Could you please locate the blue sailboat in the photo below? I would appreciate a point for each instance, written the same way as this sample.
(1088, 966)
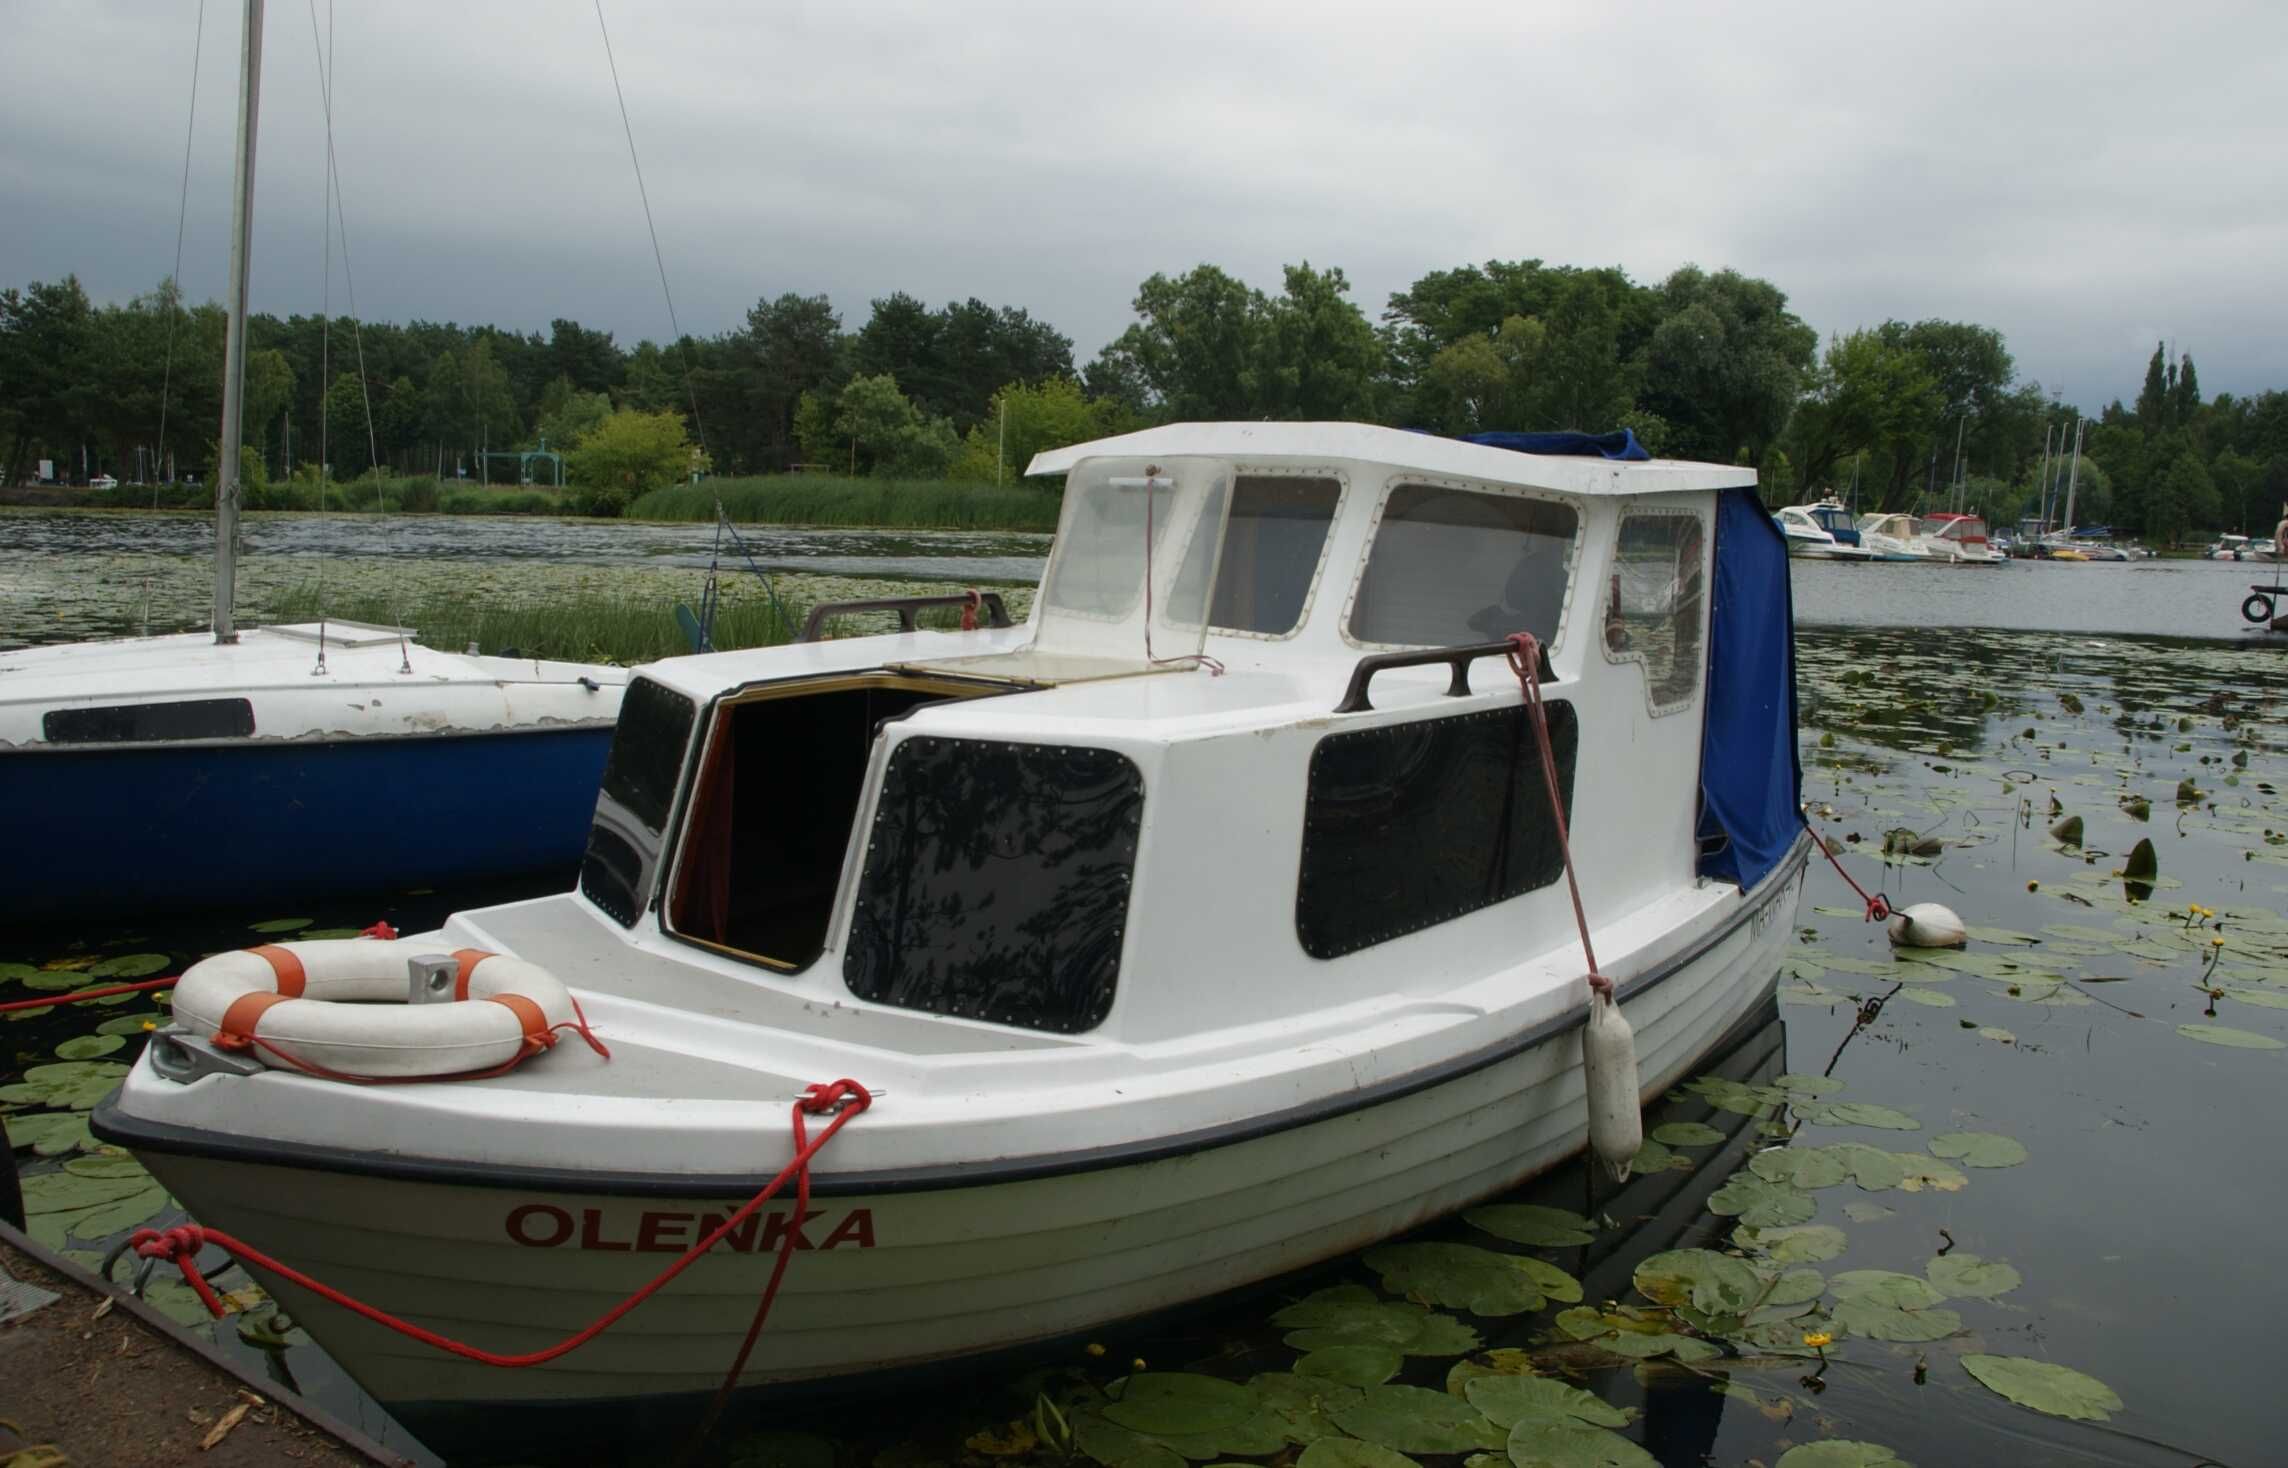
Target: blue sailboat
(265, 764)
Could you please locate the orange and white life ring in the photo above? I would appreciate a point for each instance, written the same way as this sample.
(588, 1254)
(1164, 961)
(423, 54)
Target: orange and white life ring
(322, 1007)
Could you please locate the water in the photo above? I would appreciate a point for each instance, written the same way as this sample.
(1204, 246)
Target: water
(2142, 1222)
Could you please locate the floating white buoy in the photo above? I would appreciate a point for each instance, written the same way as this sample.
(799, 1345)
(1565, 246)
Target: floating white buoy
(1926, 925)
(1609, 1067)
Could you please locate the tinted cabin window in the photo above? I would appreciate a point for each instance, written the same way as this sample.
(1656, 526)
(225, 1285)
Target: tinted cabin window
(639, 789)
(137, 723)
(996, 882)
(1271, 549)
(1410, 825)
(1653, 607)
(1452, 566)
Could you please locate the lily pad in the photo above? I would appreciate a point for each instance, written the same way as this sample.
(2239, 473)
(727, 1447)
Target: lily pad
(1867, 1212)
(1655, 1157)
(1161, 1402)
(1751, 1199)
(1531, 1224)
(1343, 1452)
(2045, 1386)
(1360, 1366)
(279, 925)
(2265, 998)
(1302, 1404)
(1701, 1278)
(1931, 997)
(1462, 1277)
(1352, 1315)
(1885, 1287)
(1506, 1401)
(1970, 1277)
(51, 1133)
(1803, 1243)
(1882, 1322)
(88, 1047)
(1794, 1287)
(1415, 1419)
(130, 1024)
(1841, 1453)
(1979, 1149)
(129, 966)
(1858, 1113)
(1872, 1168)
(2000, 935)
(1809, 1085)
(1573, 1445)
(1687, 1134)
(64, 1192)
(1804, 1167)
(2227, 1035)
(1919, 1173)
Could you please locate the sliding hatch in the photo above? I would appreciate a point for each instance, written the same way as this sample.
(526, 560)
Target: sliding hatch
(780, 777)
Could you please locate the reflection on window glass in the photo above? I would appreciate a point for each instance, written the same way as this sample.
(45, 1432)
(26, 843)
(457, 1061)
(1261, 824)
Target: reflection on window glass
(1652, 608)
(1099, 569)
(1409, 825)
(1452, 566)
(1271, 552)
(996, 882)
(631, 810)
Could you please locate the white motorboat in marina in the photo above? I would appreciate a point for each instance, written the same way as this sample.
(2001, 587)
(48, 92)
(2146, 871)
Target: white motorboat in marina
(1895, 537)
(1822, 532)
(1209, 924)
(1960, 539)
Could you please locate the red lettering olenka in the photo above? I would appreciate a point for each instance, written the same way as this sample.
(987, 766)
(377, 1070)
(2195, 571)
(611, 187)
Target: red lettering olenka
(545, 1226)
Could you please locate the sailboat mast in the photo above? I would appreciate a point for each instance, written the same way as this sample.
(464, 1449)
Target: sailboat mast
(2048, 431)
(2073, 478)
(234, 337)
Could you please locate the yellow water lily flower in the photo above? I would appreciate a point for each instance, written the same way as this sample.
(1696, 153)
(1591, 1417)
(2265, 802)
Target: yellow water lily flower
(1818, 1338)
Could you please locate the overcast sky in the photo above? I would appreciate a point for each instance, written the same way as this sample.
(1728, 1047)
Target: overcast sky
(2086, 177)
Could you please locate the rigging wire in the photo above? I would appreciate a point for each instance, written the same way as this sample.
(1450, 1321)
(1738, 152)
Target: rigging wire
(175, 281)
(340, 221)
(708, 598)
(325, 316)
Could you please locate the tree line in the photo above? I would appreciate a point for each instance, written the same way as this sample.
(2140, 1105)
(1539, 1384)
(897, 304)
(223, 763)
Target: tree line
(1702, 364)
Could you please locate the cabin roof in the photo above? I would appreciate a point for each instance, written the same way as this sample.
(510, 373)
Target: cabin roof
(1403, 449)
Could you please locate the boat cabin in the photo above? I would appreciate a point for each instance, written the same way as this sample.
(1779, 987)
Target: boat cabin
(1262, 699)
(1968, 530)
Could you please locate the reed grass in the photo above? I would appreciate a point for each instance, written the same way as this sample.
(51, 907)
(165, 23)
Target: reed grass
(594, 628)
(826, 499)
(411, 495)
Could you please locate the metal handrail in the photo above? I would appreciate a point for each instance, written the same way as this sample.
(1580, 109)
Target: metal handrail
(1456, 658)
(996, 611)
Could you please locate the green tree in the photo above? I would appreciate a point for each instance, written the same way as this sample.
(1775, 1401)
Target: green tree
(345, 437)
(630, 454)
(1869, 395)
(1317, 357)
(888, 435)
(1193, 346)
(1048, 415)
(1726, 363)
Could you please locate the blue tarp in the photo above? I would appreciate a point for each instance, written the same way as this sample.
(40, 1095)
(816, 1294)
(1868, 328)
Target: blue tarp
(1751, 788)
(1619, 444)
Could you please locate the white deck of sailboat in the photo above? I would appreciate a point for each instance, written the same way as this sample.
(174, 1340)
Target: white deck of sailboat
(372, 682)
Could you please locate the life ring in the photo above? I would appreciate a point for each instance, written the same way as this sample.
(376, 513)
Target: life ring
(322, 1007)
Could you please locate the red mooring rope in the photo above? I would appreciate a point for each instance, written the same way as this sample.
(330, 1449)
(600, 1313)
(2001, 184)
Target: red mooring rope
(844, 1098)
(1878, 906)
(73, 998)
(1525, 661)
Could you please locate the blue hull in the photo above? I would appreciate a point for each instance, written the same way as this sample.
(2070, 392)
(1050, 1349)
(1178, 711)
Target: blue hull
(121, 832)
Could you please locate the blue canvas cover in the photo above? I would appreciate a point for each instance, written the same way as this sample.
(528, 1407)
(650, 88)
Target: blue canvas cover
(1619, 444)
(1751, 788)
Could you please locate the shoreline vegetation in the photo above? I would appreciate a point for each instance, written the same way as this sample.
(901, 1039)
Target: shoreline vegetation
(829, 500)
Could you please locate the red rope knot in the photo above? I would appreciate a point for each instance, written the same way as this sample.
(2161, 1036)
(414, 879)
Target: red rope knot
(1877, 909)
(174, 1244)
(381, 930)
(969, 609)
(822, 1097)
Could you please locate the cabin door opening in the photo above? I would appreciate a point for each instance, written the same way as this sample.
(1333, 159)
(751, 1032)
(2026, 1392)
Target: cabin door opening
(771, 812)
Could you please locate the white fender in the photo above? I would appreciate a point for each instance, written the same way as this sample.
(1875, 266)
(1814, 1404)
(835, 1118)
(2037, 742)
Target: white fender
(1609, 1068)
(1926, 925)
(326, 1004)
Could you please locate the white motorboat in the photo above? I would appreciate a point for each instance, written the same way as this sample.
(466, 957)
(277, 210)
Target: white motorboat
(1896, 537)
(1823, 532)
(2228, 548)
(1210, 924)
(1959, 539)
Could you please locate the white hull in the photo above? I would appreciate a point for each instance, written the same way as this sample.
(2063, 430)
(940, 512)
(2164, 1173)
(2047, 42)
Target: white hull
(900, 1278)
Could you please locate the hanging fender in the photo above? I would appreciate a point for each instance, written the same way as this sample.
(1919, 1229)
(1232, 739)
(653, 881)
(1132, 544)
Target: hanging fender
(325, 1007)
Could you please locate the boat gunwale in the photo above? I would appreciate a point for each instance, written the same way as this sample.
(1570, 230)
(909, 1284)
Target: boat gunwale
(111, 1125)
